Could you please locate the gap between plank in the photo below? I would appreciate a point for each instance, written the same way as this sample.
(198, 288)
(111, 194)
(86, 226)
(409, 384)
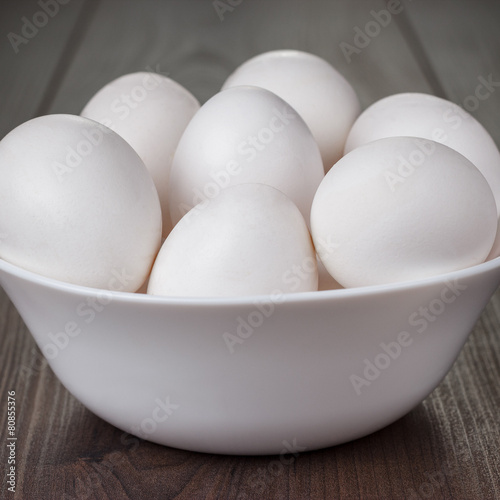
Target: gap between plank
(418, 50)
(88, 10)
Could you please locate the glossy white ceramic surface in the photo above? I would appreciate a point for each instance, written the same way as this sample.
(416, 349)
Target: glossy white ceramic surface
(300, 371)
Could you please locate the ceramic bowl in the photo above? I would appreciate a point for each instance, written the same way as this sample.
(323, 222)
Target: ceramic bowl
(256, 375)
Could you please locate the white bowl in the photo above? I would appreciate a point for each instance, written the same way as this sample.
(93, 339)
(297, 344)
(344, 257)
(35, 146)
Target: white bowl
(316, 369)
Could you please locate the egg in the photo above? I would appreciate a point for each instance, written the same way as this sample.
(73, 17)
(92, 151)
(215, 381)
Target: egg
(244, 135)
(430, 117)
(313, 87)
(249, 240)
(150, 111)
(399, 209)
(77, 204)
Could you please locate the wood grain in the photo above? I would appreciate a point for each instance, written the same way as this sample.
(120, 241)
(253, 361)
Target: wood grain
(462, 53)
(447, 447)
(188, 42)
(28, 65)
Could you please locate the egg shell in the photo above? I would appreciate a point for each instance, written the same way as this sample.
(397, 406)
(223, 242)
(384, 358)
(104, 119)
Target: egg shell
(430, 117)
(313, 87)
(77, 204)
(150, 111)
(249, 240)
(244, 135)
(377, 219)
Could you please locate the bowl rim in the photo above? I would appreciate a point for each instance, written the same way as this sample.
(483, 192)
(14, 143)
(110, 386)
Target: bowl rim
(248, 300)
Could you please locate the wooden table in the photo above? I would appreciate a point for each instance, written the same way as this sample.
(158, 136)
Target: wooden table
(449, 445)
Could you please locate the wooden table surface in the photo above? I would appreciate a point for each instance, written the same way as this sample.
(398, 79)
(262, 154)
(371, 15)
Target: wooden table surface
(449, 445)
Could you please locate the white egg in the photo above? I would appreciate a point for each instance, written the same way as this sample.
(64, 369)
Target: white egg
(77, 204)
(430, 117)
(249, 240)
(150, 112)
(399, 209)
(242, 135)
(317, 91)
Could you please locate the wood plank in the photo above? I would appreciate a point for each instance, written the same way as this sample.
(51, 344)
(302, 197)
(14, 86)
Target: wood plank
(29, 64)
(188, 42)
(461, 42)
(29, 67)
